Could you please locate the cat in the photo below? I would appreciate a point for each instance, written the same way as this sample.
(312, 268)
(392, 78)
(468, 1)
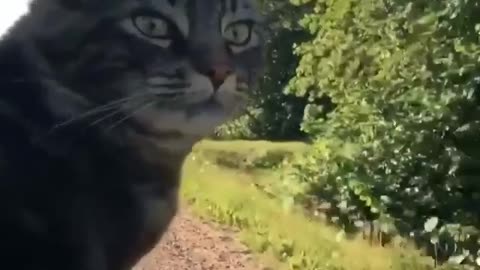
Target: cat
(100, 103)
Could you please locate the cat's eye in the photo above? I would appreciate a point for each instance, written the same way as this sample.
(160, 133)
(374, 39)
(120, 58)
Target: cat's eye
(152, 27)
(238, 33)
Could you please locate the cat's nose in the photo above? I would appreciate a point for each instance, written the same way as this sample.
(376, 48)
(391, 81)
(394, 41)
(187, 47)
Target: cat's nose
(218, 73)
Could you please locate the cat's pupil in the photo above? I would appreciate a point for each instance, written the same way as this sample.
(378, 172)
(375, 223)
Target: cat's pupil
(151, 26)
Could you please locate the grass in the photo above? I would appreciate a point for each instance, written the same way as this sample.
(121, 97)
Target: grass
(227, 195)
(242, 146)
(247, 155)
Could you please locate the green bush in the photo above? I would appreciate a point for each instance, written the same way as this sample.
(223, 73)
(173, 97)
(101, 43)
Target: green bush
(400, 147)
(239, 128)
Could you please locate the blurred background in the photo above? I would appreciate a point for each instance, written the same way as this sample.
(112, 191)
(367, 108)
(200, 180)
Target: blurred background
(10, 12)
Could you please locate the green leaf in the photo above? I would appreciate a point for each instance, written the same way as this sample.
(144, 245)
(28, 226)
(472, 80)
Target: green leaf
(430, 224)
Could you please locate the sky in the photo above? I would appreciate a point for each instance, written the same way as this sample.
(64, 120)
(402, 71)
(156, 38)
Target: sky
(10, 11)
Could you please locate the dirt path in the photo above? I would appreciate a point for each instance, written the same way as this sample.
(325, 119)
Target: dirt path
(193, 244)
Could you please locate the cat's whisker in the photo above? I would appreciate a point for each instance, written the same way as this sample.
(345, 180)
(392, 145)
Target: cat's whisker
(114, 105)
(168, 93)
(102, 108)
(106, 117)
(137, 110)
(109, 115)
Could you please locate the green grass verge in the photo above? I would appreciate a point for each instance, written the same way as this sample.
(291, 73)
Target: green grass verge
(247, 155)
(243, 146)
(296, 242)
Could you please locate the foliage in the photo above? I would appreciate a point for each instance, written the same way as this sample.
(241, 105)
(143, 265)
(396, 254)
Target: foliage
(239, 128)
(400, 149)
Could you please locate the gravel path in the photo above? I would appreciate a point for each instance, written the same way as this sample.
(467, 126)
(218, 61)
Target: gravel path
(194, 244)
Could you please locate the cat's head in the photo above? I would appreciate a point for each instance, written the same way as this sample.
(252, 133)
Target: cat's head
(174, 66)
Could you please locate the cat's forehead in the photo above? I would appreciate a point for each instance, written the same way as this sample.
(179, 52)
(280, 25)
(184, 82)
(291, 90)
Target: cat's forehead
(187, 7)
(201, 7)
(224, 5)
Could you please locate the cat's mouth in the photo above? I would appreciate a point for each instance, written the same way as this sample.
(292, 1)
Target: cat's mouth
(210, 104)
(194, 120)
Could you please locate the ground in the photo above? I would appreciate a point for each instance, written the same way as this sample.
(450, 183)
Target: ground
(195, 244)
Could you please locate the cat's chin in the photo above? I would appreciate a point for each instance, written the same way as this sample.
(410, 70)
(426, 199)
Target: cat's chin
(192, 123)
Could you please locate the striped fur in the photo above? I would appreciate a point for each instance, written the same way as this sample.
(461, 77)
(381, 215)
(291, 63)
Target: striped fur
(100, 102)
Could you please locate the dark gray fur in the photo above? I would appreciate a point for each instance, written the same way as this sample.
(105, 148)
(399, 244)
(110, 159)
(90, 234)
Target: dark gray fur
(83, 188)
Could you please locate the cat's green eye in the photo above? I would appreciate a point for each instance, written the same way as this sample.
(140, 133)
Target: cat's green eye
(152, 27)
(238, 33)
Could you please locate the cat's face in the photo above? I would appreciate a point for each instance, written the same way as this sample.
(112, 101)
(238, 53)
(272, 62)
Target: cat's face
(179, 66)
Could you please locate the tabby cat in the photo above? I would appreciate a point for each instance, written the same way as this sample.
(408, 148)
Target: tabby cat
(100, 102)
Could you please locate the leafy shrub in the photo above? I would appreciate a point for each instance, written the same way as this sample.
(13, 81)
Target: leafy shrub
(239, 128)
(401, 146)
